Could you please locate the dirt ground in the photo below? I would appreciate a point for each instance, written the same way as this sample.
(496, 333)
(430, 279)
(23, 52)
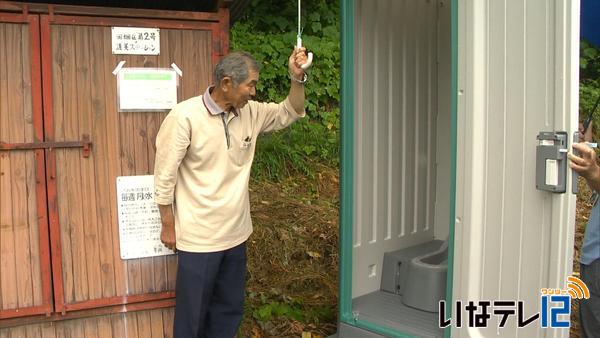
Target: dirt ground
(583, 211)
(293, 257)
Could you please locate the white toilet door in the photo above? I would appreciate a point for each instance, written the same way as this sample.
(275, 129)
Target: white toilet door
(517, 76)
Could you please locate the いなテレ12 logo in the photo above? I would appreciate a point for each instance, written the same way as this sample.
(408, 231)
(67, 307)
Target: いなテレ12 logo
(557, 302)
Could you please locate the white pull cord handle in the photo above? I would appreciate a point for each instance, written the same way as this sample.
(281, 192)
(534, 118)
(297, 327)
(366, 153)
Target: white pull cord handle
(309, 56)
(299, 41)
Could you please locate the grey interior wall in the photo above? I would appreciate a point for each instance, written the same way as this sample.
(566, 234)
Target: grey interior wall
(396, 88)
(443, 128)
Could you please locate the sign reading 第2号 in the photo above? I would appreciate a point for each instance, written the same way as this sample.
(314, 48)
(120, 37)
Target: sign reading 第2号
(139, 218)
(135, 40)
(147, 89)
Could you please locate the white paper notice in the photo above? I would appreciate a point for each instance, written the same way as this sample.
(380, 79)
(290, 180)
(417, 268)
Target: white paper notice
(139, 218)
(135, 41)
(147, 89)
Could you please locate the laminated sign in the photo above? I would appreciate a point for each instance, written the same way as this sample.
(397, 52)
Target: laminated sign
(147, 89)
(139, 218)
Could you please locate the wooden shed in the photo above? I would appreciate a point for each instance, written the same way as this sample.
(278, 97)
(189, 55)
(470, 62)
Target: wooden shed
(63, 143)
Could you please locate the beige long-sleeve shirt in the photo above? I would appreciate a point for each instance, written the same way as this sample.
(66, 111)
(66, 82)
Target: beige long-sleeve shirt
(202, 167)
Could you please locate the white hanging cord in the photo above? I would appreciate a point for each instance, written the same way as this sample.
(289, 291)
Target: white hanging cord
(299, 23)
(299, 39)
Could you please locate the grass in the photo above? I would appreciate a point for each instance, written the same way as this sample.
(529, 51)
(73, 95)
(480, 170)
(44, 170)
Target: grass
(293, 257)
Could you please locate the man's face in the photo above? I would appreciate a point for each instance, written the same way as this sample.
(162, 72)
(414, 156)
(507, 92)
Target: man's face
(239, 96)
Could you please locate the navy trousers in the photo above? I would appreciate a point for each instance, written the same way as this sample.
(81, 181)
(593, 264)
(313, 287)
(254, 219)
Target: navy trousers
(589, 309)
(210, 293)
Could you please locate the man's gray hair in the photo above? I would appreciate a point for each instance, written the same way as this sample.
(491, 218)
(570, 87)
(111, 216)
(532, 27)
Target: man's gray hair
(235, 65)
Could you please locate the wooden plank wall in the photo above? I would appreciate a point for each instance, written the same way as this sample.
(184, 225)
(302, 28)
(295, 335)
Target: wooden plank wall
(20, 279)
(84, 102)
(142, 324)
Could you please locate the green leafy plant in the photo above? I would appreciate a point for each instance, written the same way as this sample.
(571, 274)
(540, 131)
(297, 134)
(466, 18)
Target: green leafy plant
(269, 33)
(272, 310)
(589, 61)
(274, 306)
(589, 84)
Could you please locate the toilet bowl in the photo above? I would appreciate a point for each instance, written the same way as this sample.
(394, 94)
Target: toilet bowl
(425, 282)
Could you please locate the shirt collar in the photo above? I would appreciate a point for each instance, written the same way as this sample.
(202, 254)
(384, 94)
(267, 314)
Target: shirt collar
(210, 104)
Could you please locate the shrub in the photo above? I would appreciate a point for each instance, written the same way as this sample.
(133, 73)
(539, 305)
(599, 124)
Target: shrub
(589, 84)
(268, 31)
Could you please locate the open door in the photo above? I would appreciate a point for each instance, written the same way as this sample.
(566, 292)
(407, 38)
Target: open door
(517, 76)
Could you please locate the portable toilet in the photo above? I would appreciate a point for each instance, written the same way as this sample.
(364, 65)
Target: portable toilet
(456, 119)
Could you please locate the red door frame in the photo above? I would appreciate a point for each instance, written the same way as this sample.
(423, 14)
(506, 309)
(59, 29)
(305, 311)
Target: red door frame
(220, 36)
(40, 171)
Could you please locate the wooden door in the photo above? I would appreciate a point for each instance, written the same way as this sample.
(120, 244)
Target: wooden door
(25, 285)
(80, 99)
(59, 236)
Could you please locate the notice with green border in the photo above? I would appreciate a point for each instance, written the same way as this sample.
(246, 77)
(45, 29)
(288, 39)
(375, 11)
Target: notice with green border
(147, 89)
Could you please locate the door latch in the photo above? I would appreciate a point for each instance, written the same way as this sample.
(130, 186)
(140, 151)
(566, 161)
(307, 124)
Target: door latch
(551, 161)
(85, 144)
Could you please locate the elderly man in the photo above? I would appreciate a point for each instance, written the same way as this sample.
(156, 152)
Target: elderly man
(204, 151)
